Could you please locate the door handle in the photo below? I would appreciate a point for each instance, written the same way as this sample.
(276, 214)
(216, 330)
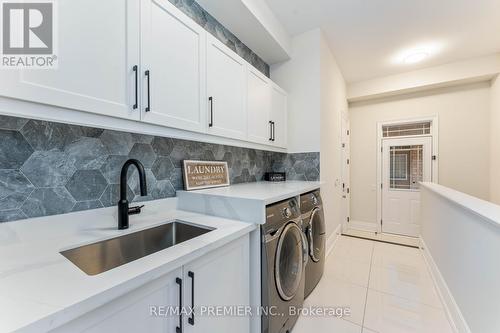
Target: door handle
(148, 75)
(178, 329)
(211, 100)
(191, 319)
(270, 130)
(136, 70)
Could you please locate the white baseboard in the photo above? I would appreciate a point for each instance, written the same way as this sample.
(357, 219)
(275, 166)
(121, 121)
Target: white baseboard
(332, 239)
(362, 225)
(451, 308)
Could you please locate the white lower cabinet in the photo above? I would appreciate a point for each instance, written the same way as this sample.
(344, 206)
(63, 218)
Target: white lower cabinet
(135, 311)
(216, 281)
(221, 282)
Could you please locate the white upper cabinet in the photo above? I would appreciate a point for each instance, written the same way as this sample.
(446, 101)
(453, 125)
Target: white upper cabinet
(279, 116)
(258, 107)
(226, 90)
(173, 67)
(97, 49)
(148, 61)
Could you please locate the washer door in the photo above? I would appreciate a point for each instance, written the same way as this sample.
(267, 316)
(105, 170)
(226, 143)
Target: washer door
(289, 261)
(316, 235)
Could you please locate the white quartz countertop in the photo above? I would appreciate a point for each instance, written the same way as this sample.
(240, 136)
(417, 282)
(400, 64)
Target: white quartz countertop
(40, 289)
(267, 192)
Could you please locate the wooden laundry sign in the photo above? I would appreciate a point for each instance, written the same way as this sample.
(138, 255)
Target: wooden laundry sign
(205, 174)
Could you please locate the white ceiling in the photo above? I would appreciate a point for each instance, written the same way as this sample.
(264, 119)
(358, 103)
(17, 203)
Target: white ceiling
(366, 35)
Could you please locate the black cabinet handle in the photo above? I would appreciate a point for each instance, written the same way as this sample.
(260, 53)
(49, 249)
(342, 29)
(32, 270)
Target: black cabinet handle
(274, 131)
(178, 329)
(148, 75)
(211, 100)
(270, 130)
(136, 70)
(191, 319)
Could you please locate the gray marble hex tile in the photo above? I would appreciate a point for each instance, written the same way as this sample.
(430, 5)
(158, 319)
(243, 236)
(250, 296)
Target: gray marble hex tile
(89, 132)
(117, 143)
(51, 168)
(177, 179)
(162, 146)
(157, 189)
(142, 138)
(48, 201)
(14, 189)
(180, 153)
(111, 195)
(86, 185)
(208, 22)
(144, 153)
(112, 167)
(14, 150)
(312, 174)
(86, 205)
(163, 168)
(12, 123)
(12, 215)
(87, 153)
(134, 183)
(44, 135)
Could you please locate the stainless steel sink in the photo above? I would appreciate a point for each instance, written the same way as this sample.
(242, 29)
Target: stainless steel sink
(105, 255)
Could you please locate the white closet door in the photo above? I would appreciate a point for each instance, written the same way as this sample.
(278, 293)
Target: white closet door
(98, 47)
(174, 56)
(226, 87)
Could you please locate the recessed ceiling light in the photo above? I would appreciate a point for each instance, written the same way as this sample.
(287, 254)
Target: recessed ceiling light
(417, 53)
(416, 57)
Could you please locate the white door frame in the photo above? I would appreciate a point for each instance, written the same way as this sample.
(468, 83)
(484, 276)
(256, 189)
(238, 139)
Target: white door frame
(435, 155)
(345, 170)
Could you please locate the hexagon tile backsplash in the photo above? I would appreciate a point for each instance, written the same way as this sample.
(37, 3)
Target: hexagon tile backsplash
(49, 168)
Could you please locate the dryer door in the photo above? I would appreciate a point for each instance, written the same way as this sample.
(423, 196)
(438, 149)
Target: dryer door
(289, 261)
(316, 234)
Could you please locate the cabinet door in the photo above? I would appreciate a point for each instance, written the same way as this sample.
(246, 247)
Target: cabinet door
(219, 279)
(142, 310)
(226, 86)
(279, 116)
(98, 47)
(258, 106)
(173, 49)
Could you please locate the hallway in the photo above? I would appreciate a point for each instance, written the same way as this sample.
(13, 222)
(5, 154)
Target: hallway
(388, 289)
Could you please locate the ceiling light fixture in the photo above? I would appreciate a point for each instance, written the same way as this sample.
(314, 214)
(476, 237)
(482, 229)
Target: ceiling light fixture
(415, 57)
(417, 53)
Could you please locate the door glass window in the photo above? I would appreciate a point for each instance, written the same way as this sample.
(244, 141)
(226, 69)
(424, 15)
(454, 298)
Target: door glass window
(406, 167)
(407, 129)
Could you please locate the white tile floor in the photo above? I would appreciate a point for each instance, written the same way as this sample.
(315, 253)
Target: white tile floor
(387, 288)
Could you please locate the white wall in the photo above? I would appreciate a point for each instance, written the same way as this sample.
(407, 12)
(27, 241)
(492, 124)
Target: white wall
(462, 235)
(300, 77)
(464, 151)
(333, 103)
(316, 98)
(495, 142)
(457, 73)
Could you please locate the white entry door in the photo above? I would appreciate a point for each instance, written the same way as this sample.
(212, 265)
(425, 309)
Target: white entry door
(406, 163)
